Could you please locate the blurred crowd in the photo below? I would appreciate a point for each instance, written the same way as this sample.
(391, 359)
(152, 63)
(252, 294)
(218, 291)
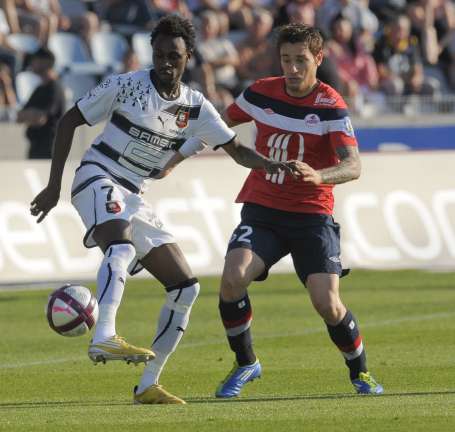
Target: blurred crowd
(375, 49)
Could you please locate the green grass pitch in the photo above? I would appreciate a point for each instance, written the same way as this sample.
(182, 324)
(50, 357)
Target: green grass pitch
(407, 319)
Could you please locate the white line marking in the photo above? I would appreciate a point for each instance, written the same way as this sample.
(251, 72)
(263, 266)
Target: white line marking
(305, 332)
(42, 362)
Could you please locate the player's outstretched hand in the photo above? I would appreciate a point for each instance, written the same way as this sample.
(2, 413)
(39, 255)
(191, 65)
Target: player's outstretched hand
(275, 167)
(305, 172)
(44, 202)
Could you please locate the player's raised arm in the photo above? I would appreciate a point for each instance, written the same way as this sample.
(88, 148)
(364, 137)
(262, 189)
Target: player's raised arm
(47, 199)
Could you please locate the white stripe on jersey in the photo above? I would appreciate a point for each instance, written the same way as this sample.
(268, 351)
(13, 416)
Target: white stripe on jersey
(292, 124)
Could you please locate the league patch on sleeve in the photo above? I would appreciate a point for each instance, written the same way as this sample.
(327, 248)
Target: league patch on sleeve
(347, 127)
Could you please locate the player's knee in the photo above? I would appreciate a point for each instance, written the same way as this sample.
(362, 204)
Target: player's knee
(331, 312)
(181, 297)
(119, 255)
(234, 280)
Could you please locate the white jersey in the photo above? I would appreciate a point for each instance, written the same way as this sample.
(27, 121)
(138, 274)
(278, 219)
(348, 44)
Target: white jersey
(144, 130)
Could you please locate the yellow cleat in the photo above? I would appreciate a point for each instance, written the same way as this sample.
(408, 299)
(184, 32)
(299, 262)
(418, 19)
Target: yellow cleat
(116, 348)
(155, 394)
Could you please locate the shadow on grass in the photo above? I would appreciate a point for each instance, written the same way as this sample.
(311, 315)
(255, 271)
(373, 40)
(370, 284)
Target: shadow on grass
(211, 400)
(314, 397)
(4, 299)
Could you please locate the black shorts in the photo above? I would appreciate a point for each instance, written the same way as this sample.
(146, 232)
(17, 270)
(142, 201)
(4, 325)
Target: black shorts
(313, 240)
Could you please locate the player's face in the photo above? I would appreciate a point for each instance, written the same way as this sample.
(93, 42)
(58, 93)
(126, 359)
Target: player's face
(170, 57)
(299, 67)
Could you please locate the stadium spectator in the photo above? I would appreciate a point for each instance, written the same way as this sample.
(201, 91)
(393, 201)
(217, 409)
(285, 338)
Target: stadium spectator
(254, 50)
(77, 18)
(386, 10)
(295, 12)
(143, 108)
(357, 69)
(356, 11)
(444, 22)
(421, 14)
(131, 61)
(218, 51)
(164, 7)
(127, 16)
(304, 121)
(40, 17)
(10, 11)
(7, 94)
(8, 55)
(44, 108)
(240, 13)
(399, 61)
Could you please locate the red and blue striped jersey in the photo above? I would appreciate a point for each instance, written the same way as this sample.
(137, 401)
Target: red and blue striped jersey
(308, 129)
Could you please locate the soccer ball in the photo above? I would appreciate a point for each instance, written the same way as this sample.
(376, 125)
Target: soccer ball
(72, 310)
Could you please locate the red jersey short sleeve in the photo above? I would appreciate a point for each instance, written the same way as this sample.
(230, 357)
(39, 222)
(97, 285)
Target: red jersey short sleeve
(307, 129)
(237, 114)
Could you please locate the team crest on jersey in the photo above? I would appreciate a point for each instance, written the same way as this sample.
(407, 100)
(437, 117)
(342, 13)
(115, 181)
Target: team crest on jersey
(113, 207)
(312, 119)
(183, 116)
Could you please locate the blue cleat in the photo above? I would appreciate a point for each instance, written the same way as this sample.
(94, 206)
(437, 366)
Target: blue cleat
(366, 384)
(237, 378)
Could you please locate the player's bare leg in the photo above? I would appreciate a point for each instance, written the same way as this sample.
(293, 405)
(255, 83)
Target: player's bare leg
(169, 266)
(113, 237)
(241, 267)
(343, 329)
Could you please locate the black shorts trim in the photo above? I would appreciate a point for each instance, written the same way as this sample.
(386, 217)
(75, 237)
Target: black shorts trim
(85, 184)
(181, 285)
(90, 230)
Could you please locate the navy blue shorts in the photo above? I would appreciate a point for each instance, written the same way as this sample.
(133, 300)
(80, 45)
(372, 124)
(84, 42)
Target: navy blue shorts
(313, 240)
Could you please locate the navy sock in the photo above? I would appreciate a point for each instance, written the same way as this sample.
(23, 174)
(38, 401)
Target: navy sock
(346, 336)
(237, 317)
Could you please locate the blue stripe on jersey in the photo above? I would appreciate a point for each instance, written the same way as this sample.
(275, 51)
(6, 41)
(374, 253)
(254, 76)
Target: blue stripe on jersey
(291, 110)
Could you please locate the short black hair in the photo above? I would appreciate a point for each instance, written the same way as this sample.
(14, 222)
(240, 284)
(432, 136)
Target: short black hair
(294, 33)
(176, 26)
(44, 53)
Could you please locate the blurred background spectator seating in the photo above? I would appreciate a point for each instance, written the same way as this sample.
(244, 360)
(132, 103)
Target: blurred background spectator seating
(383, 55)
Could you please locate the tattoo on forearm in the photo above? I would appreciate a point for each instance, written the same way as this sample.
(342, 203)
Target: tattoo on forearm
(249, 158)
(348, 168)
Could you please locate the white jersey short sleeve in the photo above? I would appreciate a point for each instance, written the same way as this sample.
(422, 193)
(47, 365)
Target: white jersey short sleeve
(212, 129)
(99, 103)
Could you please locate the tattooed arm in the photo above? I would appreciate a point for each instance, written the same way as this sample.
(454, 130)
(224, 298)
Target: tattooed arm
(346, 170)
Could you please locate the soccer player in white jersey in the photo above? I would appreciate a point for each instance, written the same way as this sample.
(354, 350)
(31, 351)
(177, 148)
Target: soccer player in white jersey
(151, 120)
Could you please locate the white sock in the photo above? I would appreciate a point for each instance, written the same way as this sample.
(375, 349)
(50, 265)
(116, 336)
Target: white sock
(152, 371)
(110, 285)
(172, 324)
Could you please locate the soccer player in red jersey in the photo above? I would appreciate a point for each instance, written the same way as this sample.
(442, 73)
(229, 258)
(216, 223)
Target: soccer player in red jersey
(305, 122)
